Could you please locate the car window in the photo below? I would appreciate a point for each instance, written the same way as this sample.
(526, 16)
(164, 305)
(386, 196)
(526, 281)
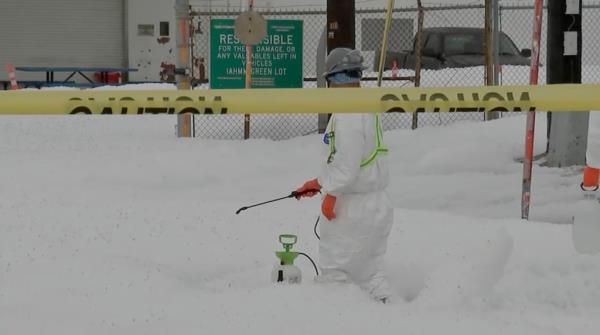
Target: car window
(434, 43)
(463, 44)
(507, 47)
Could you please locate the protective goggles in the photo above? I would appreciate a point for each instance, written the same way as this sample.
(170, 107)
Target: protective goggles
(345, 77)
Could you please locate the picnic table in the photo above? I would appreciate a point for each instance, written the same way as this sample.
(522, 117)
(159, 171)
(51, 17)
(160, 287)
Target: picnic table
(73, 70)
(34, 83)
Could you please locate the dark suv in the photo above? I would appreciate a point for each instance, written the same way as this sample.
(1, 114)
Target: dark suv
(456, 47)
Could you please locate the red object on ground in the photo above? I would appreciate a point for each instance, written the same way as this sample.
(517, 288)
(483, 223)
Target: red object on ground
(395, 69)
(108, 77)
(590, 177)
(12, 76)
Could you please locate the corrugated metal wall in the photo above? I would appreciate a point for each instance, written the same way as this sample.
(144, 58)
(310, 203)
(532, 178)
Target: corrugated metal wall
(61, 33)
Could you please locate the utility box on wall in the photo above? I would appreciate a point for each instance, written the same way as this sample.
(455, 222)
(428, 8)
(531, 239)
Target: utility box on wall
(151, 39)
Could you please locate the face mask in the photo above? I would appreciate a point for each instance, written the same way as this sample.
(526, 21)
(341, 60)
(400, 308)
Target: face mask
(346, 77)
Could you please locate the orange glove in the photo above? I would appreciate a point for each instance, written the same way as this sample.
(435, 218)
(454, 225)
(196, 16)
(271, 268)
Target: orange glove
(327, 206)
(309, 189)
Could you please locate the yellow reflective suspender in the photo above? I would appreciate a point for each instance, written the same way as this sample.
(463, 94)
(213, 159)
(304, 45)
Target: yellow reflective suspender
(380, 148)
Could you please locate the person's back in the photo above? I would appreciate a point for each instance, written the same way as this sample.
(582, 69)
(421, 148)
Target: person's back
(373, 175)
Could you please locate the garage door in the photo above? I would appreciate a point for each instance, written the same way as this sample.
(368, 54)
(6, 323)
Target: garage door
(61, 33)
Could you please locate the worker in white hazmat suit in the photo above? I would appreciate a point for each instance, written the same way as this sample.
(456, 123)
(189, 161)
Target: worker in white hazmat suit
(592, 170)
(352, 181)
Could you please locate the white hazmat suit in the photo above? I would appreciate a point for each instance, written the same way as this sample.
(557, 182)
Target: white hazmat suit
(355, 171)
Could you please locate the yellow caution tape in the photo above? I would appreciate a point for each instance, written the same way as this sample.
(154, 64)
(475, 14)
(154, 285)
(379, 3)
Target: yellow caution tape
(556, 98)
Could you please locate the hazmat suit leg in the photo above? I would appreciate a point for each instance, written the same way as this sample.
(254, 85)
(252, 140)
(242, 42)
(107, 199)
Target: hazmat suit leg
(355, 242)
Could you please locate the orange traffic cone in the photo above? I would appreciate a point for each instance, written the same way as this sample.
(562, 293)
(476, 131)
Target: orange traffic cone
(590, 178)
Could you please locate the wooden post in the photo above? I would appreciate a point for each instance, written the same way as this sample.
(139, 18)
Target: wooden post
(185, 125)
(418, 51)
(182, 39)
(341, 26)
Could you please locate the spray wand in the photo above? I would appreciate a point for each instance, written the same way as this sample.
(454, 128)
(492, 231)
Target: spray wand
(292, 195)
(286, 270)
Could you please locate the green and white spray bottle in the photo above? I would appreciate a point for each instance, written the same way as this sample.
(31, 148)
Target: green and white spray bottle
(285, 271)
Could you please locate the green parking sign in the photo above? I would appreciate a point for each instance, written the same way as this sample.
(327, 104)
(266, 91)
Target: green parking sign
(276, 60)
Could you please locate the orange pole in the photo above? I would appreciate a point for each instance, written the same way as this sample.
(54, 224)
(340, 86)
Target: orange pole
(530, 125)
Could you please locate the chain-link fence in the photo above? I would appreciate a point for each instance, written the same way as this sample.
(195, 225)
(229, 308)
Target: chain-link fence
(515, 20)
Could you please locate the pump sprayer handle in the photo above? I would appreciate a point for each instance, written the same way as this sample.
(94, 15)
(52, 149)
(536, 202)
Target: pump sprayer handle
(297, 194)
(294, 194)
(293, 239)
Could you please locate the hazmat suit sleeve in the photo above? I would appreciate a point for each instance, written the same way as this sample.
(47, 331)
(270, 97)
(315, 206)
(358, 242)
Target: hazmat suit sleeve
(341, 167)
